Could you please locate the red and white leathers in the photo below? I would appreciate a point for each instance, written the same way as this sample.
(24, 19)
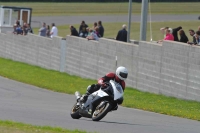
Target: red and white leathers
(106, 78)
(111, 76)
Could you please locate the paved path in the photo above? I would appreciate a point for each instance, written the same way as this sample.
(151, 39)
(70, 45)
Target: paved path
(62, 20)
(29, 104)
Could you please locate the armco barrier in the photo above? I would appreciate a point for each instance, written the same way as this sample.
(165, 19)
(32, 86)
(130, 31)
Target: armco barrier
(172, 69)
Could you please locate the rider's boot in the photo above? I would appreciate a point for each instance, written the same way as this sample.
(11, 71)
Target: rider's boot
(90, 90)
(84, 97)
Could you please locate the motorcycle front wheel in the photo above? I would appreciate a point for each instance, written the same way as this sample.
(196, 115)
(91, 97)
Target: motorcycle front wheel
(75, 112)
(101, 111)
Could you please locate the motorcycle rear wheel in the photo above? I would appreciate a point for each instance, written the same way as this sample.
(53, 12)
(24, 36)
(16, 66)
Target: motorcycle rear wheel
(75, 112)
(101, 112)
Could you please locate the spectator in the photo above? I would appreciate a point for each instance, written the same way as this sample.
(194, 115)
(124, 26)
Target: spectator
(88, 31)
(183, 37)
(29, 29)
(168, 36)
(174, 33)
(14, 28)
(122, 34)
(73, 30)
(18, 28)
(96, 30)
(95, 25)
(48, 31)
(163, 30)
(17, 23)
(42, 30)
(101, 29)
(192, 33)
(54, 30)
(198, 38)
(25, 30)
(93, 36)
(82, 30)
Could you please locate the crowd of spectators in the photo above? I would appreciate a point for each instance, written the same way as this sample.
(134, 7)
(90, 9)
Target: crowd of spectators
(97, 31)
(22, 30)
(172, 35)
(94, 33)
(46, 32)
(43, 31)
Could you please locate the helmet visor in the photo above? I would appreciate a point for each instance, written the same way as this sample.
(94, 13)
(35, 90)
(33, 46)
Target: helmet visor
(123, 75)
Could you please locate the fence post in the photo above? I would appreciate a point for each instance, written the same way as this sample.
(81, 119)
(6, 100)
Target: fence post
(63, 54)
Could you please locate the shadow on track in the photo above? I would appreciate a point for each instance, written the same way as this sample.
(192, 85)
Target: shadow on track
(121, 123)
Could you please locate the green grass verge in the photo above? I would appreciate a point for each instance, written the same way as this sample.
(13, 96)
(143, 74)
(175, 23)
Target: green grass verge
(62, 82)
(16, 127)
(60, 9)
(111, 29)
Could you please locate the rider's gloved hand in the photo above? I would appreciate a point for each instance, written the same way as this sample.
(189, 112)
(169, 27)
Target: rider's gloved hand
(104, 85)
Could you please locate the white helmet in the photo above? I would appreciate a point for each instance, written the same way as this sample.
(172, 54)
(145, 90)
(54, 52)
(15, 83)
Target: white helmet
(122, 73)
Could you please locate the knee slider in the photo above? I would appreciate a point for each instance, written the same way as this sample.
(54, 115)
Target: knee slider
(120, 101)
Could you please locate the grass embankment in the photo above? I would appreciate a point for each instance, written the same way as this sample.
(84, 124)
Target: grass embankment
(111, 29)
(63, 82)
(15, 127)
(60, 9)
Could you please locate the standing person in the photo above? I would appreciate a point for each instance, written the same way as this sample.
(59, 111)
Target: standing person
(95, 25)
(24, 29)
(101, 29)
(122, 34)
(163, 30)
(17, 23)
(183, 37)
(96, 30)
(197, 36)
(73, 30)
(14, 29)
(175, 33)
(48, 31)
(42, 30)
(192, 33)
(54, 30)
(29, 29)
(18, 28)
(82, 30)
(168, 36)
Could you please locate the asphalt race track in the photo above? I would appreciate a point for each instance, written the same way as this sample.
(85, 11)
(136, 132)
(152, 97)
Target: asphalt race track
(70, 20)
(28, 104)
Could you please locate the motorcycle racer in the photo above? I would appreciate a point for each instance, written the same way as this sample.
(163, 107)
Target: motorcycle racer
(119, 76)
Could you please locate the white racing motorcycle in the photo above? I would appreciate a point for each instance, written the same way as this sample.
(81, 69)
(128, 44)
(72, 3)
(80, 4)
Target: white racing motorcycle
(99, 103)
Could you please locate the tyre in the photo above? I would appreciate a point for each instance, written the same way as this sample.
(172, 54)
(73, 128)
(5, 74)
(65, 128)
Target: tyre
(75, 112)
(101, 111)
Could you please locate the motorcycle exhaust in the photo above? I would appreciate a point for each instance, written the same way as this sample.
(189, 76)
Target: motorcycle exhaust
(78, 95)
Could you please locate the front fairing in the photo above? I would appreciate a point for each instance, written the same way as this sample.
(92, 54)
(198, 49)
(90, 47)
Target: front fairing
(94, 97)
(117, 90)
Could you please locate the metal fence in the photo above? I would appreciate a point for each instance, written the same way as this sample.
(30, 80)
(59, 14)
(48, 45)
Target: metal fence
(96, 0)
